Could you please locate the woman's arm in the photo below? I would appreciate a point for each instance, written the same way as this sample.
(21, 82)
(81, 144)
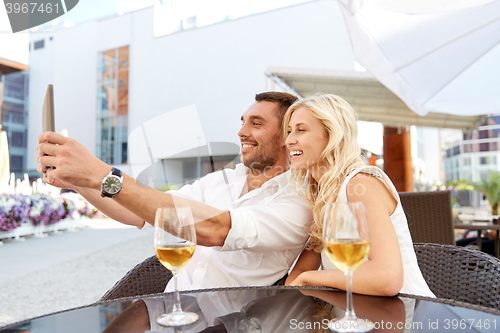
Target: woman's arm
(308, 260)
(382, 274)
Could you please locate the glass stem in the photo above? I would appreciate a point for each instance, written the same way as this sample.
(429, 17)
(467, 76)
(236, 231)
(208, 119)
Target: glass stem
(349, 311)
(177, 304)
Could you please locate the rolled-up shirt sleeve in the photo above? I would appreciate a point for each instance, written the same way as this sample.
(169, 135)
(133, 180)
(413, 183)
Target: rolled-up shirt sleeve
(280, 225)
(192, 192)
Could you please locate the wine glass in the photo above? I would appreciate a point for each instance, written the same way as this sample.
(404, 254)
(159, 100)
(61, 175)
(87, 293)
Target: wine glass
(175, 242)
(346, 240)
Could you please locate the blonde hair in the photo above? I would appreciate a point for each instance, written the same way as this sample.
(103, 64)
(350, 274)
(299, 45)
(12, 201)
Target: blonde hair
(341, 155)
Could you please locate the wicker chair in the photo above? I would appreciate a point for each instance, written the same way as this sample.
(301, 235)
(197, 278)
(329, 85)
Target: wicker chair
(429, 216)
(461, 274)
(148, 277)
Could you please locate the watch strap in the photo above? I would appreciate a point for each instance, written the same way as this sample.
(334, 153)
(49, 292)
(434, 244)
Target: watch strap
(116, 172)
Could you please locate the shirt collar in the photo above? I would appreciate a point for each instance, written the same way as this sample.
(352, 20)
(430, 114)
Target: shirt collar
(280, 180)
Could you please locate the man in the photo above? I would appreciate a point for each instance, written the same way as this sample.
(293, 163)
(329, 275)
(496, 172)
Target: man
(250, 223)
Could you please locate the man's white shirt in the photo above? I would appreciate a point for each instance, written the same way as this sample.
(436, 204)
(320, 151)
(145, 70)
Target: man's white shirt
(268, 231)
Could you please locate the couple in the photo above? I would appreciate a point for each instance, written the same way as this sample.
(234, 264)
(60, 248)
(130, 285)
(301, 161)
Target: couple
(251, 223)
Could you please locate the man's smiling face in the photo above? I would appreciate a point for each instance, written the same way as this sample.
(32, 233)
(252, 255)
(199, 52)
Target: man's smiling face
(261, 137)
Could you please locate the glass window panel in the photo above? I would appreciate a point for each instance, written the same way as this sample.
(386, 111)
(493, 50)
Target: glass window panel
(484, 147)
(17, 140)
(16, 163)
(123, 57)
(483, 134)
(483, 175)
(113, 105)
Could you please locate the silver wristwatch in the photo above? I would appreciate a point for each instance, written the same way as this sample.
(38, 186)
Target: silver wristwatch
(112, 184)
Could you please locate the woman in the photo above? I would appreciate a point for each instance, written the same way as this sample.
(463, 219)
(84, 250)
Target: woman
(326, 163)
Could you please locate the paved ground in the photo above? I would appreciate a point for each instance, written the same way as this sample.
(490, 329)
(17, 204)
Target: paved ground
(43, 275)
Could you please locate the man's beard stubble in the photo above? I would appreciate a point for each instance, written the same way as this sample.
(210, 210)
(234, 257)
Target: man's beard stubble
(266, 157)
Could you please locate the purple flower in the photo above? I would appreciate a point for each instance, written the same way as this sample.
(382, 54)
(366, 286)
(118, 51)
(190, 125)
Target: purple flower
(14, 210)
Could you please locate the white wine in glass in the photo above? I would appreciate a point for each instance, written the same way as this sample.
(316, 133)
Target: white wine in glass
(346, 240)
(175, 243)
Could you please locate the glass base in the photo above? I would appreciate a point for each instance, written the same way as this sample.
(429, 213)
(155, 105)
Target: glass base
(177, 319)
(350, 325)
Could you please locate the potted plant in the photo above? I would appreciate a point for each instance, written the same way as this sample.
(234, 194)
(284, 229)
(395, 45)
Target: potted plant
(491, 190)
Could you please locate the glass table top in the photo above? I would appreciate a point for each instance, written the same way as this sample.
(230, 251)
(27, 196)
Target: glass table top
(265, 309)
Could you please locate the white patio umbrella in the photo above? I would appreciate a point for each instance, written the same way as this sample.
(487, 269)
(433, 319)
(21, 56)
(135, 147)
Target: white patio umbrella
(4, 157)
(436, 55)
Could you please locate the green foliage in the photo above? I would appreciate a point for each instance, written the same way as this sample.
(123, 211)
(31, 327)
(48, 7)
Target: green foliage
(461, 185)
(453, 201)
(167, 187)
(491, 189)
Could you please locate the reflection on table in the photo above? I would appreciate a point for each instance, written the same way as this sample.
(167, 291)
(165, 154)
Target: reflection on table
(266, 309)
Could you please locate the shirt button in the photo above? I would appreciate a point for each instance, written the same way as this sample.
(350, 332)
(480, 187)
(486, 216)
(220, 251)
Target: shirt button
(202, 265)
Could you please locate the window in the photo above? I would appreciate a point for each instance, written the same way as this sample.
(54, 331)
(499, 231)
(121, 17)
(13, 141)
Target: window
(483, 134)
(495, 119)
(16, 163)
(483, 175)
(485, 160)
(468, 148)
(467, 161)
(456, 150)
(484, 147)
(18, 140)
(112, 105)
(39, 44)
(194, 167)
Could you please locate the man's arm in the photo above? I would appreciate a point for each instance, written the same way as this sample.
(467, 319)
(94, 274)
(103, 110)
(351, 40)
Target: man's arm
(76, 167)
(110, 208)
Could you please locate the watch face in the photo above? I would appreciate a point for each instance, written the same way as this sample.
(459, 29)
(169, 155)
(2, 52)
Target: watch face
(112, 185)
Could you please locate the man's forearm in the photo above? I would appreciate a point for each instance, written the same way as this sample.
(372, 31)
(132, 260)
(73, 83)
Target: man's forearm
(71, 164)
(212, 225)
(110, 208)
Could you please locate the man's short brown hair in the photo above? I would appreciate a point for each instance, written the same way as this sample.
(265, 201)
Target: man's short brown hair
(283, 99)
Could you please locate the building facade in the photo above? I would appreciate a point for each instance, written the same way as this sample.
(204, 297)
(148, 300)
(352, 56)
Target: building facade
(14, 98)
(474, 154)
(112, 75)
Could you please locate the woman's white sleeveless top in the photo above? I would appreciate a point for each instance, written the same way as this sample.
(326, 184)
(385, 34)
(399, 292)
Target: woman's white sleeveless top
(414, 282)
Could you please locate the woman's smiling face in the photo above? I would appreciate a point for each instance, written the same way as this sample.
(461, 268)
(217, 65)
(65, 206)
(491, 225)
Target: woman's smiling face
(306, 141)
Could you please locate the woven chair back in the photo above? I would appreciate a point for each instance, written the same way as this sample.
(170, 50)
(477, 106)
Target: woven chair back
(148, 277)
(460, 274)
(429, 216)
